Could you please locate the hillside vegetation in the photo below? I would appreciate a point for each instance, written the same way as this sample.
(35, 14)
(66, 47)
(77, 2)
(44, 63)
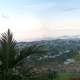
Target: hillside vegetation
(39, 60)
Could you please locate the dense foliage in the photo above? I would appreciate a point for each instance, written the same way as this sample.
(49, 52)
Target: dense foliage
(12, 60)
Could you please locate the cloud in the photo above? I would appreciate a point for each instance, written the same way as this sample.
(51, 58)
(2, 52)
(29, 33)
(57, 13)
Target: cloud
(40, 6)
(71, 9)
(5, 16)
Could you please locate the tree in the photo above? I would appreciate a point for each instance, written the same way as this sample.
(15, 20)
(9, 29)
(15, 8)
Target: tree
(10, 59)
(7, 53)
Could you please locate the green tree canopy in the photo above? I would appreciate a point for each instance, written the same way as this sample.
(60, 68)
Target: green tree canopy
(9, 58)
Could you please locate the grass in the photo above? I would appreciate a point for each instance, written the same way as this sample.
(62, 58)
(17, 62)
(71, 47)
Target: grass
(64, 76)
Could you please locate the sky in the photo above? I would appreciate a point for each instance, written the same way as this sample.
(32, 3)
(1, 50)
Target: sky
(40, 19)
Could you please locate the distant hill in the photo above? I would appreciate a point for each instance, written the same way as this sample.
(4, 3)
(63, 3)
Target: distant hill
(60, 50)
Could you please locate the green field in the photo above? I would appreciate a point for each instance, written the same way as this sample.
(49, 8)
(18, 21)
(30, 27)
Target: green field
(66, 75)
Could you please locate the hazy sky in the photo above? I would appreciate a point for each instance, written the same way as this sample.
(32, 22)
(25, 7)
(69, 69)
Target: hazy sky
(37, 19)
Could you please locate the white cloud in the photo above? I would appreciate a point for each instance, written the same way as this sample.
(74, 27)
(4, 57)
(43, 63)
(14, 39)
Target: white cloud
(40, 6)
(24, 28)
(5, 16)
(30, 27)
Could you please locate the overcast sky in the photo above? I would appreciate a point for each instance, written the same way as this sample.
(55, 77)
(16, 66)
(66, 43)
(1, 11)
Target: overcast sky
(38, 19)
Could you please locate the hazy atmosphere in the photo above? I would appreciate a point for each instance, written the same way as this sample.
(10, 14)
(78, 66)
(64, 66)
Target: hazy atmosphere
(39, 39)
(40, 19)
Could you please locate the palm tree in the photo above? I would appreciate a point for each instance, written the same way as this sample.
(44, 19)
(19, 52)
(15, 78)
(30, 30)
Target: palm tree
(9, 58)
